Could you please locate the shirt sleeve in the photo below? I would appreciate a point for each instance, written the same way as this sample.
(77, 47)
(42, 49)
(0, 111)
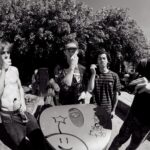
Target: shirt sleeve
(117, 84)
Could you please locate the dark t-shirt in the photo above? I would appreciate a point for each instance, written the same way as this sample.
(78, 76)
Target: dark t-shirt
(141, 108)
(69, 94)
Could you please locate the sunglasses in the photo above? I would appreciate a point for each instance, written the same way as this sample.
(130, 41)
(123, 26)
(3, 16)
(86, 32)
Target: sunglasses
(72, 48)
(4, 52)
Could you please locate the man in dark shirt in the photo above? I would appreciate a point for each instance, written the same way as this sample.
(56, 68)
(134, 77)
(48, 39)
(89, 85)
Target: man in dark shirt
(137, 123)
(69, 75)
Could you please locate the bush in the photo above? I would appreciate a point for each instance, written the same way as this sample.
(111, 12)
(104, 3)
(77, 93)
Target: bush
(39, 29)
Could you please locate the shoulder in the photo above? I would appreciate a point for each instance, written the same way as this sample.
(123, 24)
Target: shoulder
(14, 69)
(114, 73)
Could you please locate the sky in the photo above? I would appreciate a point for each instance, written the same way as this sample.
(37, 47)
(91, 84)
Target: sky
(139, 10)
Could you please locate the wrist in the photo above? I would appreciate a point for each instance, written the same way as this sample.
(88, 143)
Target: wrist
(113, 111)
(71, 68)
(93, 75)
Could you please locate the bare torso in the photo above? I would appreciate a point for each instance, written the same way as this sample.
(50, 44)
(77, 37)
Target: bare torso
(11, 90)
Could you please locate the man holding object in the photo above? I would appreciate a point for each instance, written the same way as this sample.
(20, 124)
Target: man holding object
(20, 125)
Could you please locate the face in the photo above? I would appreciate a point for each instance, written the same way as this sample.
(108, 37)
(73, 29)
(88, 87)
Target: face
(71, 48)
(5, 55)
(5, 52)
(102, 60)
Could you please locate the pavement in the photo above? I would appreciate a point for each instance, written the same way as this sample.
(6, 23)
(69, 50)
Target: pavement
(125, 101)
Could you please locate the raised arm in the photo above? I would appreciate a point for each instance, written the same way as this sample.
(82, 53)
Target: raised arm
(91, 83)
(69, 76)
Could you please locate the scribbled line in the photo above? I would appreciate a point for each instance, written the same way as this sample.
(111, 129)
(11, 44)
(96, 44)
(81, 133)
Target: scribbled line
(97, 129)
(60, 119)
(64, 148)
(47, 136)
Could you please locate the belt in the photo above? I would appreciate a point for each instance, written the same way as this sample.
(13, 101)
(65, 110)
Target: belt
(8, 112)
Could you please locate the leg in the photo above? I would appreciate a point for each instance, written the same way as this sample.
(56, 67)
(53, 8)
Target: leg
(35, 135)
(14, 127)
(139, 135)
(124, 134)
(25, 145)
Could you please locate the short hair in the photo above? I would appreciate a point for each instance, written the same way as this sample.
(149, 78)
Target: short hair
(5, 43)
(143, 68)
(72, 41)
(100, 52)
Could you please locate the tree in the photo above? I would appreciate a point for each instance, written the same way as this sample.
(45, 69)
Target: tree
(114, 30)
(39, 29)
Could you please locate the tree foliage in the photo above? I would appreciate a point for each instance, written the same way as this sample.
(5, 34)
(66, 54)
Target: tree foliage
(39, 29)
(119, 34)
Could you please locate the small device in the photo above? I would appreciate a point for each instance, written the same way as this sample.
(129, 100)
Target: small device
(21, 113)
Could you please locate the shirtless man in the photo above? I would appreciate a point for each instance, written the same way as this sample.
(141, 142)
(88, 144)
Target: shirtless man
(19, 124)
(11, 91)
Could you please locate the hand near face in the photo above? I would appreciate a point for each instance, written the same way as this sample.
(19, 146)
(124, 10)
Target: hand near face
(93, 69)
(6, 63)
(74, 60)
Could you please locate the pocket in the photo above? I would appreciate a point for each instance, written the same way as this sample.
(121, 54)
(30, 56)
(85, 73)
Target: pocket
(6, 118)
(17, 118)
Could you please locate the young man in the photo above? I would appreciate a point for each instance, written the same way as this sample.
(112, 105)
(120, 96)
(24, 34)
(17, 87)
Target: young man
(137, 122)
(19, 124)
(69, 75)
(104, 84)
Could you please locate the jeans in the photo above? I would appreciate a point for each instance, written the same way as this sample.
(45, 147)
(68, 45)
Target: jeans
(19, 131)
(131, 127)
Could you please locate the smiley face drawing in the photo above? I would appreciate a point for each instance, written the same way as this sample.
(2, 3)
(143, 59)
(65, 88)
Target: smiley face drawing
(74, 127)
(65, 141)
